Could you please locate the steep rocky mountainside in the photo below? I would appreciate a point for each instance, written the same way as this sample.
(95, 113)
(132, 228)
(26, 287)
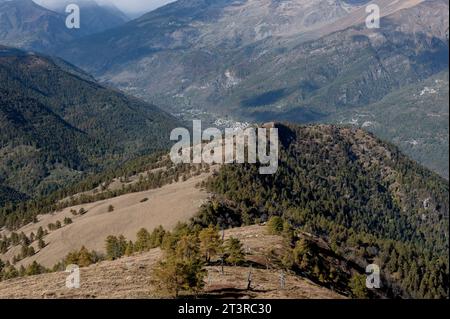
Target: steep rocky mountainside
(426, 105)
(27, 25)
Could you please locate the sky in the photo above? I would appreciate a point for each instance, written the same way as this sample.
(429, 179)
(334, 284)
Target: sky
(138, 6)
(131, 7)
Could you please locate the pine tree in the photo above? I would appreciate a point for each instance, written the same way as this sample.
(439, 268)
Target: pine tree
(275, 225)
(85, 258)
(187, 247)
(122, 245)
(40, 233)
(14, 238)
(182, 269)
(24, 239)
(157, 237)
(31, 251)
(302, 254)
(234, 253)
(41, 243)
(142, 240)
(358, 287)
(71, 258)
(34, 269)
(22, 271)
(210, 242)
(115, 247)
(10, 272)
(129, 249)
(23, 251)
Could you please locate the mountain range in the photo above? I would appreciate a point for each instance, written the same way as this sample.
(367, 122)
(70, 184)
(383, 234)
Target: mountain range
(302, 61)
(94, 17)
(25, 24)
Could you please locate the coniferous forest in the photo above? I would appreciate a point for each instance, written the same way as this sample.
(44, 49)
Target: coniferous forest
(366, 199)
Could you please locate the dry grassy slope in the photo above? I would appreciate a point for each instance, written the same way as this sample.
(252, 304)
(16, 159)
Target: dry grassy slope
(116, 184)
(130, 277)
(165, 206)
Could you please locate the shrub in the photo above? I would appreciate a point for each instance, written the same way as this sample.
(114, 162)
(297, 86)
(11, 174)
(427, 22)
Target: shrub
(210, 242)
(182, 268)
(275, 225)
(234, 254)
(115, 247)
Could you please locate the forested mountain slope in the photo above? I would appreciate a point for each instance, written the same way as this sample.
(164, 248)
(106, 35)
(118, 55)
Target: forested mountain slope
(56, 122)
(341, 199)
(425, 104)
(364, 197)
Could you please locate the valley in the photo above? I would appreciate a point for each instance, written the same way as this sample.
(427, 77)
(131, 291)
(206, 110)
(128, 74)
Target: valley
(305, 62)
(360, 179)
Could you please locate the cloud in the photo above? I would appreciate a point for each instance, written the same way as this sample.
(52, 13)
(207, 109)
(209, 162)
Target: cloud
(132, 7)
(138, 6)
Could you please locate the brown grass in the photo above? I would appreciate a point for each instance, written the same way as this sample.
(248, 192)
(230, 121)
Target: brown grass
(130, 277)
(165, 206)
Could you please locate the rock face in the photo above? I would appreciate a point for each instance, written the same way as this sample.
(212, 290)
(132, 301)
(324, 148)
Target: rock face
(245, 54)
